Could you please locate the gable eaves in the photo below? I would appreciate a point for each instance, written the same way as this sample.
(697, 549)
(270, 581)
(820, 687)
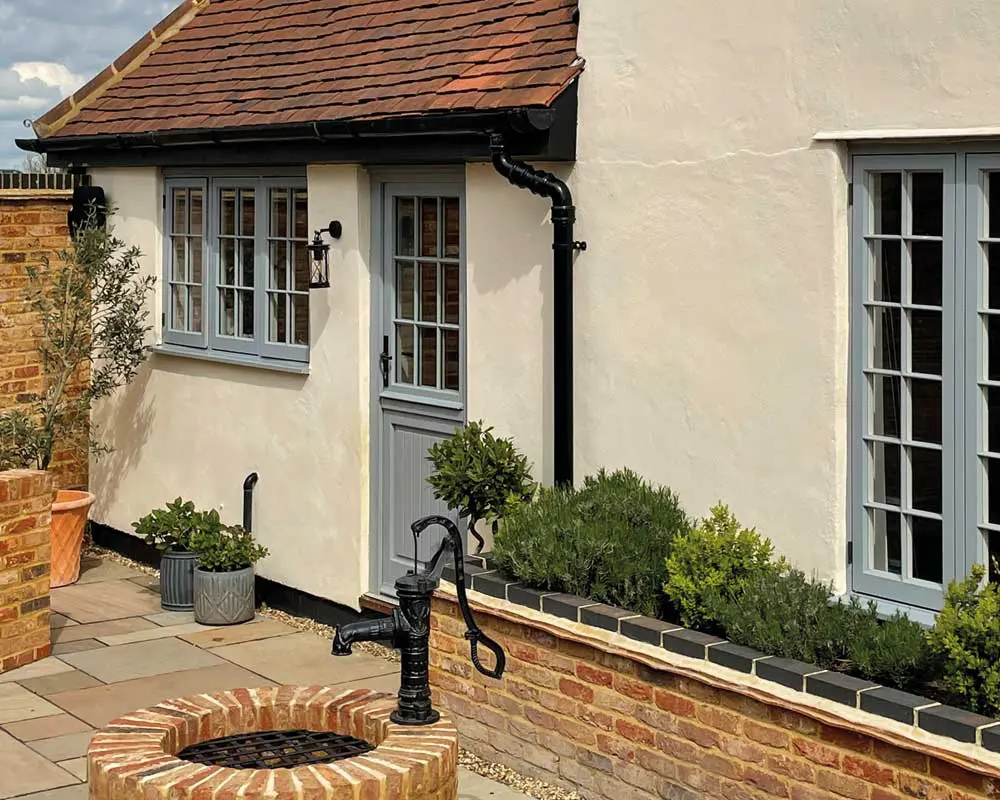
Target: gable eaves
(56, 118)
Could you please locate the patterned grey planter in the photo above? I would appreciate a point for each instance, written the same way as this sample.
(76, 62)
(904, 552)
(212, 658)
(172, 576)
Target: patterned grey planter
(223, 598)
(177, 581)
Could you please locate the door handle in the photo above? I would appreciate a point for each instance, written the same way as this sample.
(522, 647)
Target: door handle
(385, 361)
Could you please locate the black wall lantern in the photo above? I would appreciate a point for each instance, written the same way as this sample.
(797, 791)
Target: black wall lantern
(320, 250)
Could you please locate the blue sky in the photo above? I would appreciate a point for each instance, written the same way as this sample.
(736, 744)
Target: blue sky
(49, 48)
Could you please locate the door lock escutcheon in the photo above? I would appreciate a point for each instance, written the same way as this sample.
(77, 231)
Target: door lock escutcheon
(385, 361)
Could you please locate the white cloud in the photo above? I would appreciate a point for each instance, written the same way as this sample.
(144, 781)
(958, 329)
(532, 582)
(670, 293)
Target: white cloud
(25, 103)
(51, 74)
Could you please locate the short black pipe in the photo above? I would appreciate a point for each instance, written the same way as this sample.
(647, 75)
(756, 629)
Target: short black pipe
(545, 184)
(248, 485)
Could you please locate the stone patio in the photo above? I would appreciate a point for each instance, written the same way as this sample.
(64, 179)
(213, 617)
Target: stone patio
(115, 650)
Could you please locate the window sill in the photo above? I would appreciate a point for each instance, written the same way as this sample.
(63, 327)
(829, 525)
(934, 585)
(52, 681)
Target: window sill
(233, 359)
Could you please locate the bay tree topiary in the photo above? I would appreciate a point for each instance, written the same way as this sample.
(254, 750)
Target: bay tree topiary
(91, 303)
(479, 475)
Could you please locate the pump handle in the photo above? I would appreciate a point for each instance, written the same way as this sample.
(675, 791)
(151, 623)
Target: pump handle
(476, 637)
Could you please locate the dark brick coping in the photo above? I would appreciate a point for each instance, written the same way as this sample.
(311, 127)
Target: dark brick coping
(922, 713)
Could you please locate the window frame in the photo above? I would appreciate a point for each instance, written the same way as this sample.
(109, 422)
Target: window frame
(972, 158)
(210, 343)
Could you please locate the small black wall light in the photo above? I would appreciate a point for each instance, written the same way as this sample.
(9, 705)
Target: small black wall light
(320, 250)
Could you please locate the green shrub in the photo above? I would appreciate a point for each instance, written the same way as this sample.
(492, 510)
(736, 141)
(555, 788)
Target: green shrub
(606, 541)
(716, 556)
(479, 475)
(225, 548)
(785, 613)
(966, 638)
(170, 529)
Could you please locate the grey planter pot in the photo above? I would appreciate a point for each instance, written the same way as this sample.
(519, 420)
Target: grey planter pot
(177, 581)
(223, 598)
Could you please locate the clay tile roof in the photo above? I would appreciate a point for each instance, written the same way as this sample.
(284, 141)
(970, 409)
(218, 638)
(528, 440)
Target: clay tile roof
(215, 64)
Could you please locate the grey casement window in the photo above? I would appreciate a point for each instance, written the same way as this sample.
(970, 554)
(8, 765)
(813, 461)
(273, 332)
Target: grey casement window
(236, 267)
(925, 410)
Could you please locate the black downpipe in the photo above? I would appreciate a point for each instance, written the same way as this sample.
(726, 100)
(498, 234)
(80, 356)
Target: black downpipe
(545, 184)
(248, 486)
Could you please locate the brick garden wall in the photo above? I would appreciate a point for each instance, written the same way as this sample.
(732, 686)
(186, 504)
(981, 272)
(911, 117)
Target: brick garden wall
(612, 727)
(25, 551)
(32, 226)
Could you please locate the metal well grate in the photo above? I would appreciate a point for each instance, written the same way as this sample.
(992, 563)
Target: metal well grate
(275, 749)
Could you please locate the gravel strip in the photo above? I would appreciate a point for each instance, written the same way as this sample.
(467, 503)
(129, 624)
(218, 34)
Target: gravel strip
(496, 772)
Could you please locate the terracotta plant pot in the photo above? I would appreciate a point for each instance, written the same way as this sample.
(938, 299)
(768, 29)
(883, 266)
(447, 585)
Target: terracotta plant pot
(69, 519)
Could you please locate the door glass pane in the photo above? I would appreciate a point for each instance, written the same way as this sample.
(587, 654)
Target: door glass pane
(180, 218)
(925, 280)
(926, 479)
(302, 267)
(197, 198)
(993, 205)
(886, 461)
(452, 363)
(247, 262)
(991, 268)
(246, 314)
(227, 213)
(927, 198)
(227, 272)
(992, 491)
(886, 336)
(404, 354)
(925, 330)
(404, 290)
(885, 405)
(247, 212)
(178, 305)
(428, 357)
(301, 214)
(886, 527)
(279, 265)
(926, 410)
(300, 317)
(993, 554)
(180, 260)
(452, 295)
(452, 227)
(993, 419)
(428, 292)
(196, 249)
(227, 312)
(277, 330)
(428, 226)
(887, 196)
(405, 226)
(928, 549)
(196, 309)
(992, 345)
(887, 270)
(279, 213)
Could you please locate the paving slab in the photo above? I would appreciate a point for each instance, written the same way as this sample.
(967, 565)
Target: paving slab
(96, 629)
(475, 787)
(97, 570)
(46, 727)
(17, 703)
(62, 748)
(75, 766)
(46, 666)
(78, 791)
(168, 618)
(148, 634)
(24, 771)
(303, 659)
(63, 682)
(263, 628)
(59, 621)
(141, 659)
(98, 602)
(79, 646)
(380, 683)
(151, 582)
(101, 704)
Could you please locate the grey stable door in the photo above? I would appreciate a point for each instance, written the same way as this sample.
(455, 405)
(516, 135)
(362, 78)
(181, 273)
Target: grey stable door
(419, 360)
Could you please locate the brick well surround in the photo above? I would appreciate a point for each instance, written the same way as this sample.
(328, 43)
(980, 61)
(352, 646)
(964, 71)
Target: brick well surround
(594, 711)
(25, 555)
(134, 757)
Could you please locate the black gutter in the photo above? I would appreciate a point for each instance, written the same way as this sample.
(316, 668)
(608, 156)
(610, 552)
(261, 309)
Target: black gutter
(545, 184)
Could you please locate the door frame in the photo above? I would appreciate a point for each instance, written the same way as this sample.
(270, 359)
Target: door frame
(434, 179)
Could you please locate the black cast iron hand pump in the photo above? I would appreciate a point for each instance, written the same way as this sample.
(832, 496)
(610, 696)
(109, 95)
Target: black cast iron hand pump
(408, 627)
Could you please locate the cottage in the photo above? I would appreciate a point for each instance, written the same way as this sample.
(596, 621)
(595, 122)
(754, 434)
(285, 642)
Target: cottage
(785, 301)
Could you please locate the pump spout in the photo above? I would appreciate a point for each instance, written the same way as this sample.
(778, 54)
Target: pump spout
(383, 629)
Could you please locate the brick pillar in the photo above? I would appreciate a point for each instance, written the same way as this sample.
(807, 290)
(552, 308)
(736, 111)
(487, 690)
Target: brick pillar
(25, 554)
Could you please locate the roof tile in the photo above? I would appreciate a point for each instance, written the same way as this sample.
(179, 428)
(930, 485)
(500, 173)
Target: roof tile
(224, 63)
